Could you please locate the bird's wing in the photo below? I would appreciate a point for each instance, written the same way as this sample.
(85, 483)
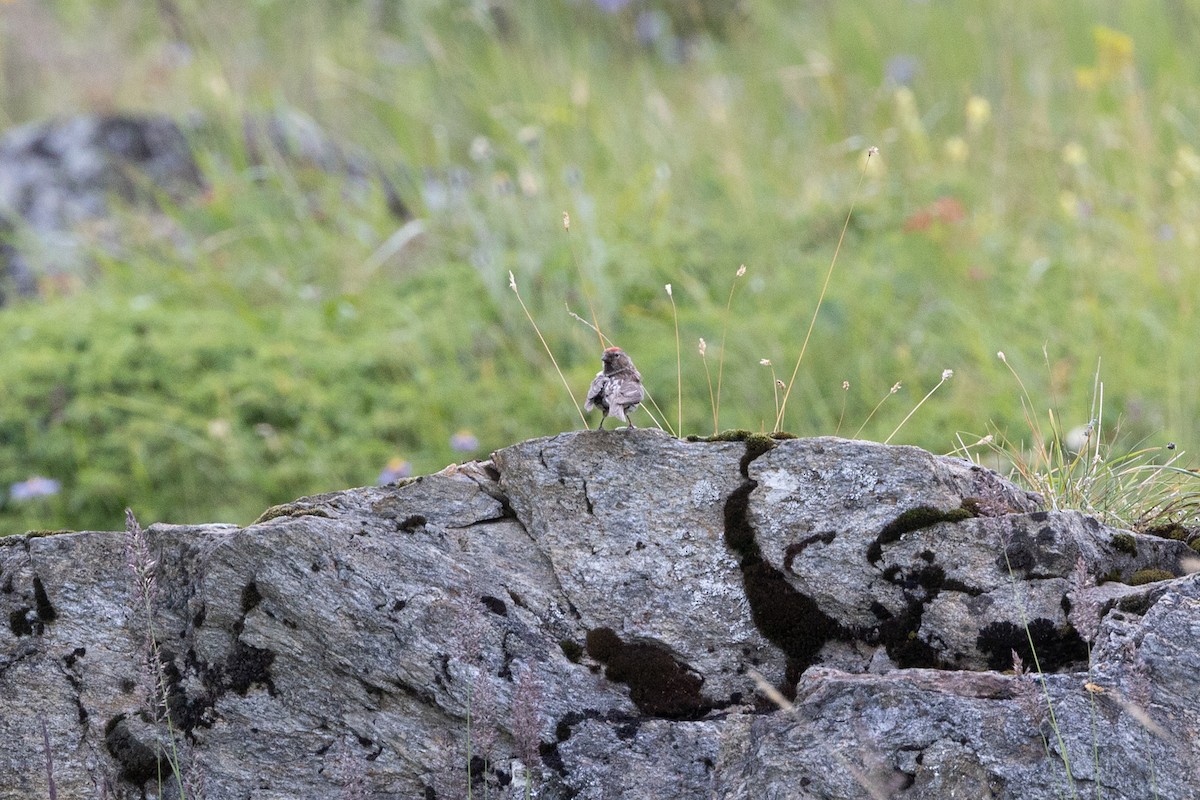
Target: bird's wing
(595, 394)
(624, 392)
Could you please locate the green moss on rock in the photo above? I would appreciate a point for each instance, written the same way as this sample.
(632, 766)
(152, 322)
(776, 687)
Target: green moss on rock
(1125, 543)
(1144, 576)
(572, 650)
(292, 510)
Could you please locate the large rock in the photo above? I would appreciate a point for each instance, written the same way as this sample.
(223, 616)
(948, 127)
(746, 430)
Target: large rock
(610, 614)
(58, 174)
(61, 181)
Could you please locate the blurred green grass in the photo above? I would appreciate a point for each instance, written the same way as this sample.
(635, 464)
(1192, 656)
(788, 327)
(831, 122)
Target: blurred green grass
(1037, 192)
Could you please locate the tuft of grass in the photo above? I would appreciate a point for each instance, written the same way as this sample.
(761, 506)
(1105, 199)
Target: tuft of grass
(1141, 488)
(143, 571)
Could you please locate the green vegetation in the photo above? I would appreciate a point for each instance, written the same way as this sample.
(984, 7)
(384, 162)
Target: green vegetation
(1144, 576)
(1036, 187)
(1125, 543)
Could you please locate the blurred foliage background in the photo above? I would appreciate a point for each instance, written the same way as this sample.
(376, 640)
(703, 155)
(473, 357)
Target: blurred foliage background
(1037, 192)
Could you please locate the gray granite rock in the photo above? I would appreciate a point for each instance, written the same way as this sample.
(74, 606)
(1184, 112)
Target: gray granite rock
(588, 616)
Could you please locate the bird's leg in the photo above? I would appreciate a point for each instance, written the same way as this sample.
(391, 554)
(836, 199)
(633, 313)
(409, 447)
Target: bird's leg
(600, 424)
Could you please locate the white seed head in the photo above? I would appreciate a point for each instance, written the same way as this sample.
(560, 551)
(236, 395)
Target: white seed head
(703, 347)
(947, 374)
(669, 291)
(512, 281)
(872, 151)
(766, 362)
(780, 384)
(1000, 355)
(741, 270)
(845, 386)
(566, 221)
(896, 387)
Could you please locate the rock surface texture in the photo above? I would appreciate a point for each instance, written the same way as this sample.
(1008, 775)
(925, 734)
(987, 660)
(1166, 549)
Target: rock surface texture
(611, 615)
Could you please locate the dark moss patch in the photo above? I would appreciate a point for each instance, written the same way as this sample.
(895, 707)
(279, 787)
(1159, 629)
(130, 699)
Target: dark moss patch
(412, 523)
(1135, 604)
(137, 762)
(627, 731)
(1125, 543)
(552, 759)
(788, 619)
(494, 605)
(1022, 551)
(794, 550)
(912, 520)
(485, 773)
(186, 714)
(246, 666)
(659, 684)
(19, 622)
(984, 507)
(739, 536)
(45, 609)
(756, 443)
(898, 635)
(602, 643)
(572, 650)
(1057, 649)
(898, 632)
(1144, 576)
(1174, 531)
(742, 435)
(76, 654)
(250, 597)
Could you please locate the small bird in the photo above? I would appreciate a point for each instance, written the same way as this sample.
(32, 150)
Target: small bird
(617, 388)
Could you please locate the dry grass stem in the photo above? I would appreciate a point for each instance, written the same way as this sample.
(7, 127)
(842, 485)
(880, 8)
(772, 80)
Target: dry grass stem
(725, 329)
(703, 347)
(583, 287)
(678, 365)
(895, 388)
(824, 288)
(512, 284)
(842, 415)
(947, 374)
